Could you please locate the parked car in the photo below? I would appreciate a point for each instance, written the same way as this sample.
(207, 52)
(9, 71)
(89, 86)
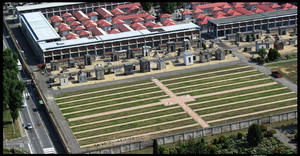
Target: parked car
(27, 95)
(276, 74)
(29, 126)
(23, 105)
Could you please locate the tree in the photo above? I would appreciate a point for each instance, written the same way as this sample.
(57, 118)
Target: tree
(240, 135)
(248, 38)
(146, 5)
(155, 3)
(253, 36)
(204, 46)
(179, 4)
(167, 7)
(273, 54)
(161, 149)
(155, 146)
(255, 135)
(262, 53)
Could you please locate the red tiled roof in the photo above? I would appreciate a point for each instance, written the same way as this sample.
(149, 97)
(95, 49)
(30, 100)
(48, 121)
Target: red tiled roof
(274, 5)
(113, 31)
(141, 27)
(66, 14)
(265, 8)
(98, 31)
(243, 11)
(219, 13)
(200, 16)
(52, 17)
(139, 19)
(203, 22)
(142, 15)
(165, 15)
(235, 14)
(265, 2)
(103, 23)
(117, 11)
(215, 8)
(229, 11)
(128, 5)
(80, 16)
(134, 7)
(71, 36)
(157, 25)
(293, 7)
(252, 3)
(134, 25)
(93, 24)
(226, 6)
(219, 16)
(257, 10)
(124, 28)
(149, 17)
(65, 28)
(149, 23)
(80, 27)
(237, 4)
(62, 25)
(57, 19)
(197, 11)
(93, 13)
(117, 21)
(167, 21)
(75, 23)
(104, 13)
(71, 19)
(87, 22)
(83, 33)
(286, 5)
(205, 6)
(169, 24)
(186, 12)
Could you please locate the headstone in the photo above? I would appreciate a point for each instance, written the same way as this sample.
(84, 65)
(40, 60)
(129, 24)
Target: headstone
(282, 30)
(114, 56)
(82, 77)
(204, 57)
(171, 46)
(161, 64)
(200, 43)
(292, 41)
(130, 54)
(267, 45)
(87, 59)
(99, 72)
(278, 45)
(51, 79)
(186, 44)
(188, 58)
(146, 50)
(259, 44)
(219, 54)
(180, 50)
(239, 37)
(144, 65)
(212, 44)
(277, 37)
(128, 68)
(63, 79)
(88, 74)
(54, 65)
(71, 63)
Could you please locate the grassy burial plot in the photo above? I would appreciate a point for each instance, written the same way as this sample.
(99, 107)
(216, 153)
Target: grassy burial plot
(125, 85)
(142, 130)
(236, 93)
(288, 69)
(240, 98)
(107, 92)
(218, 73)
(199, 72)
(227, 87)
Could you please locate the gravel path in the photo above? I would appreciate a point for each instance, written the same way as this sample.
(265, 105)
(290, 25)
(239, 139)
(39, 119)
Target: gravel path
(280, 136)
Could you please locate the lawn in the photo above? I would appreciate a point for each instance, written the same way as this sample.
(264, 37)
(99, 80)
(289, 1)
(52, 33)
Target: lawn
(288, 69)
(8, 131)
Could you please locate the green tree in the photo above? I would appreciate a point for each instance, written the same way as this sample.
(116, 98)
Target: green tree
(248, 38)
(262, 53)
(146, 5)
(273, 54)
(204, 46)
(212, 149)
(168, 7)
(240, 135)
(253, 36)
(179, 4)
(161, 149)
(255, 135)
(222, 139)
(155, 146)
(155, 3)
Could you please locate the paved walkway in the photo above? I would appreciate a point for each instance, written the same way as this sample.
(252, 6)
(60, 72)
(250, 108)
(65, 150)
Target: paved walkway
(174, 99)
(280, 136)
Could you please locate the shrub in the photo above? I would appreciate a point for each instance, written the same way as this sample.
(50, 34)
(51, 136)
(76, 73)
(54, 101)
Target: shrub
(215, 141)
(155, 146)
(222, 139)
(226, 145)
(270, 133)
(161, 149)
(248, 38)
(202, 140)
(240, 135)
(212, 149)
(296, 136)
(263, 127)
(245, 49)
(255, 135)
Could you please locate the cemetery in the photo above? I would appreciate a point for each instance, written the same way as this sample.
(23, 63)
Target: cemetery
(135, 111)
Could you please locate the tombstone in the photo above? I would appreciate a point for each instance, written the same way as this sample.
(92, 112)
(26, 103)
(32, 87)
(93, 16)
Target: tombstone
(155, 54)
(277, 37)
(114, 57)
(54, 65)
(71, 63)
(144, 65)
(99, 72)
(204, 57)
(87, 59)
(51, 79)
(278, 45)
(219, 54)
(161, 64)
(88, 74)
(212, 44)
(259, 44)
(186, 44)
(63, 79)
(267, 45)
(292, 41)
(282, 30)
(295, 29)
(200, 43)
(128, 68)
(239, 37)
(146, 50)
(257, 33)
(171, 46)
(81, 66)
(180, 50)
(188, 58)
(129, 54)
(81, 77)
(267, 37)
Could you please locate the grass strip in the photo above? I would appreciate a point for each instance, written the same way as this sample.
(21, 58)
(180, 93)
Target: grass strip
(242, 98)
(136, 132)
(103, 88)
(124, 120)
(256, 109)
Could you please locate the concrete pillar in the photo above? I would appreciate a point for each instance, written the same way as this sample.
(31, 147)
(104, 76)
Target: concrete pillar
(136, 42)
(168, 37)
(191, 35)
(176, 37)
(78, 51)
(200, 33)
(85, 8)
(112, 46)
(70, 53)
(289, 21)
(120, 45)
(216, 31)
(270, 118)
(231, 30)
(86, 50)
(144, 41)
(246, 26)
(61, 54)
(52, 55)
(281, 21)
(152, 41)
(260, 26)
(224, 30)
(95, 50)
(267, 23)
(160, 39)
(103, 48)
(239, 27)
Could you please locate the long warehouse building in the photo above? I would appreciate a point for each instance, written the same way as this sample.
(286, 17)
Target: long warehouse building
(245, 23)
(47, 44)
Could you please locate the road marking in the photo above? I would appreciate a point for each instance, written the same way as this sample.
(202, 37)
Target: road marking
(50, 150)
(30, 147)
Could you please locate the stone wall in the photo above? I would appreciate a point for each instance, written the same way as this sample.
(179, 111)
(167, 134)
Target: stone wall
(195, 133)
